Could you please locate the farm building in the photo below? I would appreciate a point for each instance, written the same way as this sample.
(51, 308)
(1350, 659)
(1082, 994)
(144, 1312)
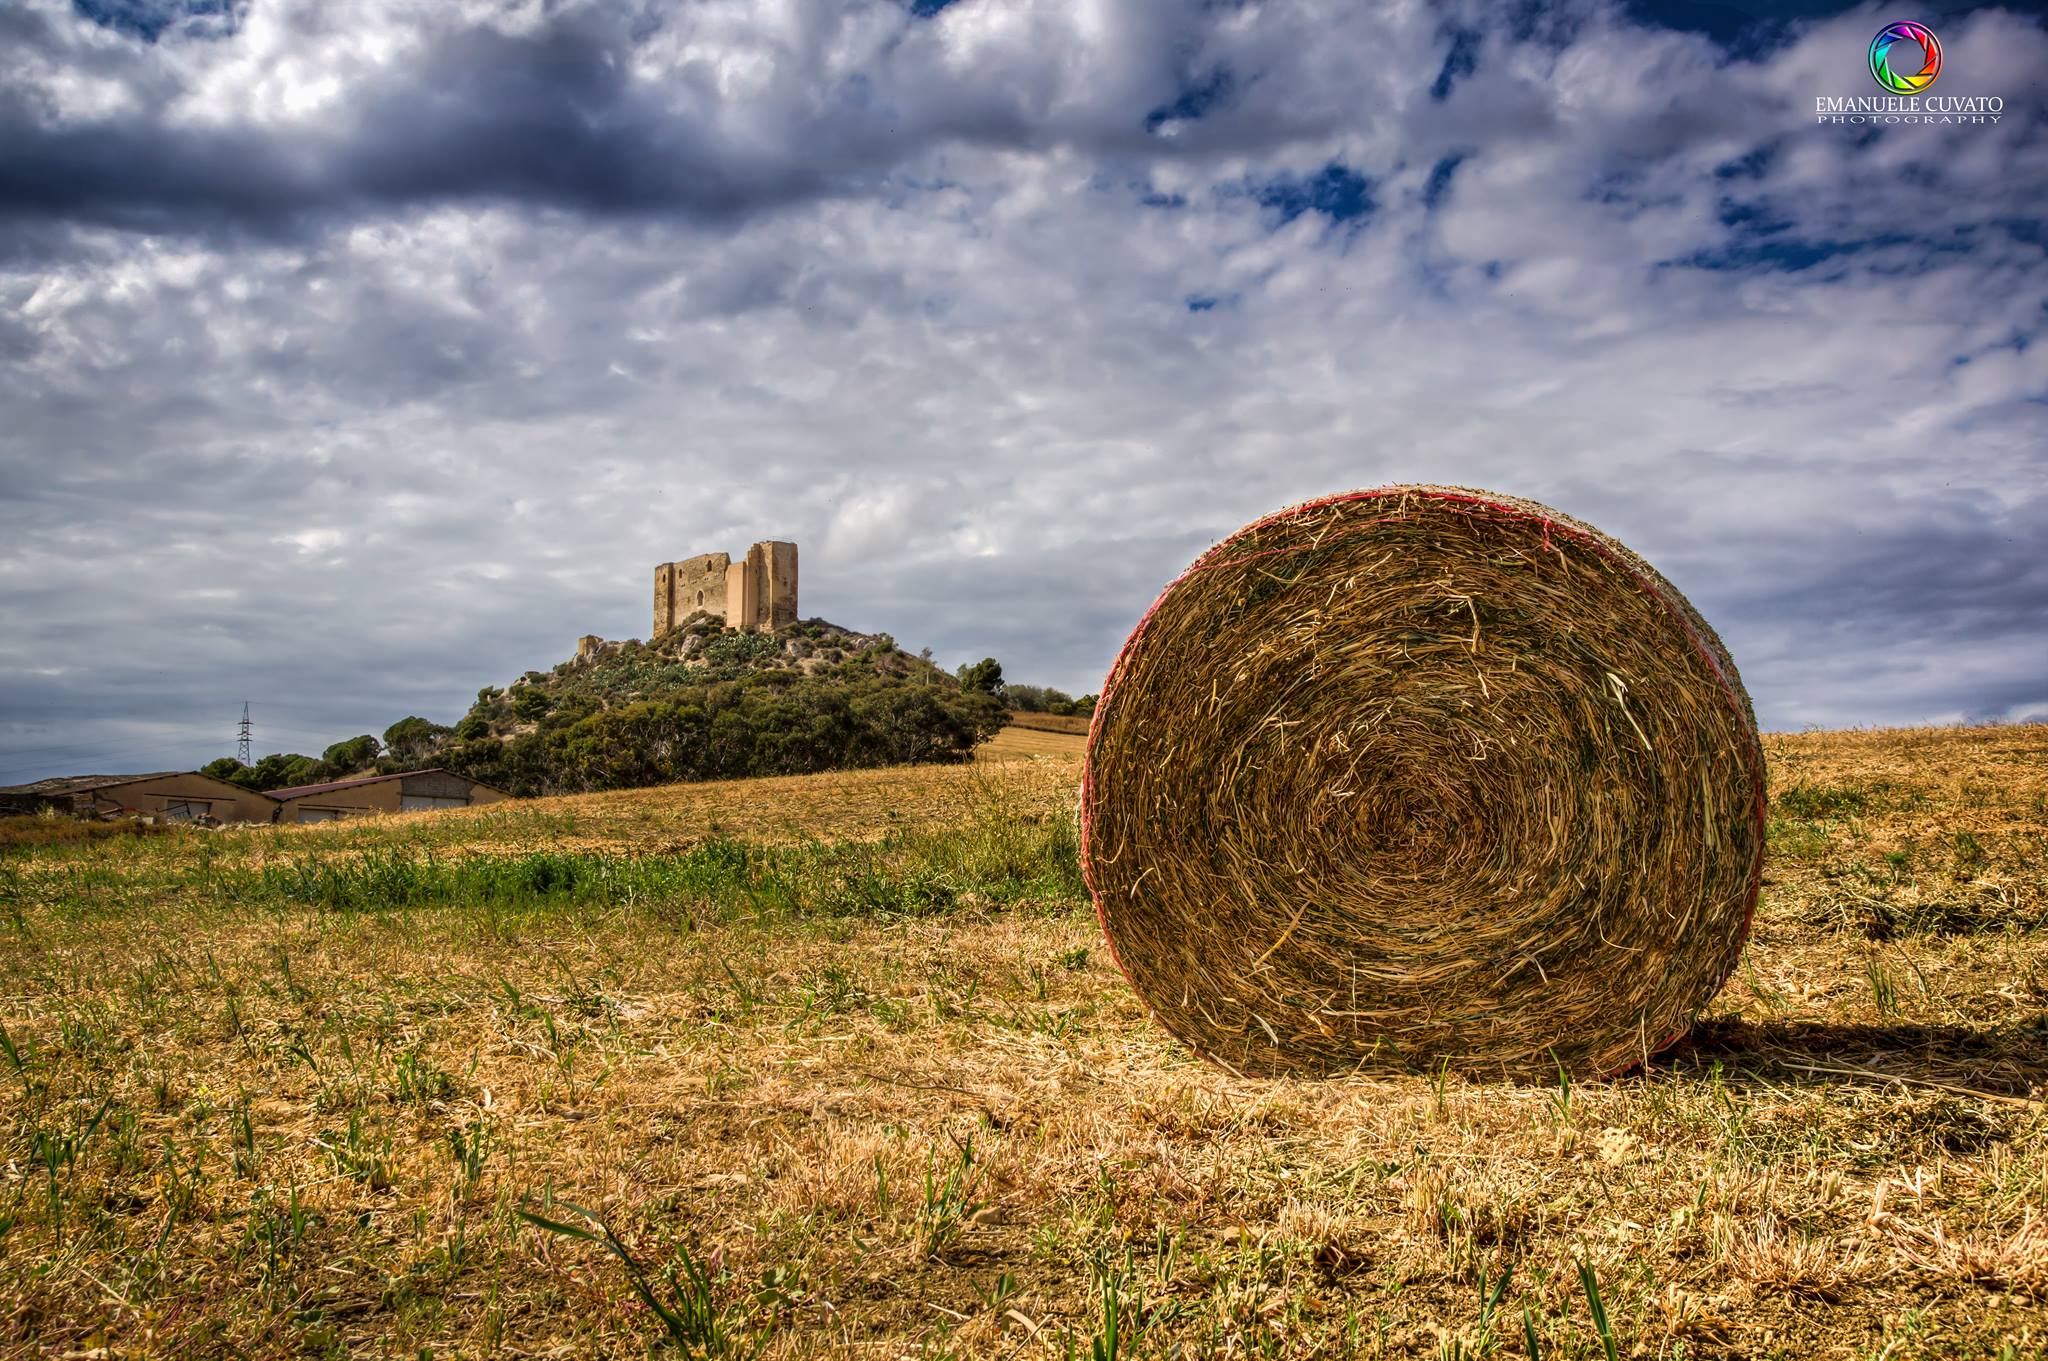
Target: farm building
(410, 791)
(173, 795)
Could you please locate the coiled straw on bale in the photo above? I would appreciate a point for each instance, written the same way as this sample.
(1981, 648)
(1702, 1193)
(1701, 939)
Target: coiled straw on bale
(1423, 775)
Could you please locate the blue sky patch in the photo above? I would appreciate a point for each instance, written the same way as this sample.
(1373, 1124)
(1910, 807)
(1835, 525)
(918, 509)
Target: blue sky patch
(1751, 166)
(1336, 191)
(147, 19)
(1438, 188)
(1752, 218)
(1211, 92)
(1461, 61)
(1756, 28)
(1766, 250)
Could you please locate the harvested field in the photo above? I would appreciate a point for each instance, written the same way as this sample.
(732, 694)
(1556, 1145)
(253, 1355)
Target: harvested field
(842, 1064)
(1019, 740)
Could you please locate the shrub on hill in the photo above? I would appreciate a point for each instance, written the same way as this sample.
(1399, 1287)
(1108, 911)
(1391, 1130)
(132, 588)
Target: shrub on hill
(769, 723)
(704, 702)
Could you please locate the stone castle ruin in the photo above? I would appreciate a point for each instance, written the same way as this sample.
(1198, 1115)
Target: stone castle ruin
(756, 593)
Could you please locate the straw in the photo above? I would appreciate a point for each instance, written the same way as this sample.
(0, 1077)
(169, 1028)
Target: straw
(1421, 776)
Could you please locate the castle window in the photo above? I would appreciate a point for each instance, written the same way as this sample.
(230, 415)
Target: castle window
(700, 597)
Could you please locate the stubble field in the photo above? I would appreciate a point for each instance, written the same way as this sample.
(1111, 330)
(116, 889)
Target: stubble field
(838, 1066)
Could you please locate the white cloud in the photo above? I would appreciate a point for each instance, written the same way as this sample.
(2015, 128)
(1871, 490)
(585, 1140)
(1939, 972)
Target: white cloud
(997, 357)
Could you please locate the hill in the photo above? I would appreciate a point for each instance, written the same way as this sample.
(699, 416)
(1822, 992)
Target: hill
(842, 1063)
(706, 702)
(700, 701)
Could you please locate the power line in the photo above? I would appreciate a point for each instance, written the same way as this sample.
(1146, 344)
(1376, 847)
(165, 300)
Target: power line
(242, 740)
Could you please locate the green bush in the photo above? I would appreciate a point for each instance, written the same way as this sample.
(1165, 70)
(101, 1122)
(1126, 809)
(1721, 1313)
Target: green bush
(769, 723)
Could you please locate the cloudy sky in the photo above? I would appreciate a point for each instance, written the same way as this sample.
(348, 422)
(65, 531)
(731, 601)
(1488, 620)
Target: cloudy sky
(355, 356)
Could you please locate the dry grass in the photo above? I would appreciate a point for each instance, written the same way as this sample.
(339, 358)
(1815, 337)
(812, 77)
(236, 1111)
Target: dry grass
(902, 1105)
(50, 829)
(1022, 740)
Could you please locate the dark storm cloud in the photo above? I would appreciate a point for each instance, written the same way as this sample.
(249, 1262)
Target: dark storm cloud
(552, 116)
(1897, 615)
(1960, 573)
(549, 116)
(559, 115)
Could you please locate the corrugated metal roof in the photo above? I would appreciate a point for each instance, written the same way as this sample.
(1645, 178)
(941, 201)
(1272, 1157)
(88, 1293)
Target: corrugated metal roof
(79, 784)
(298, 791)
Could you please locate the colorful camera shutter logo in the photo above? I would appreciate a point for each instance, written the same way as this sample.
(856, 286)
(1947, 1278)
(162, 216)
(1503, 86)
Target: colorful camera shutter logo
(1902, 48)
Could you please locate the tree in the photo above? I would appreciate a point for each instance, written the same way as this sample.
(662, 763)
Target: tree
(1038, 699)
(353, 754)
(274, 771)
(413, 738)
(985, 676)
(229, 769)
(530, 703)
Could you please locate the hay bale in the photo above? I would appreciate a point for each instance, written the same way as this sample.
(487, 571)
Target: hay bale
(1423, 775)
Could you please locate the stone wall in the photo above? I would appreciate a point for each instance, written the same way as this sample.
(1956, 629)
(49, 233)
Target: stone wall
(740, 598)
(757, 592)
(683, 588)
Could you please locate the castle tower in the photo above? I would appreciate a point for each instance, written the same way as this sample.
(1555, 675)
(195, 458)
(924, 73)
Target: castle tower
(755, 593)
(772, 566)
(664, 598)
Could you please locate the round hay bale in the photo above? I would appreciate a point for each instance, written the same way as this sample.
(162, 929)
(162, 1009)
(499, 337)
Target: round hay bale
(1423, 775)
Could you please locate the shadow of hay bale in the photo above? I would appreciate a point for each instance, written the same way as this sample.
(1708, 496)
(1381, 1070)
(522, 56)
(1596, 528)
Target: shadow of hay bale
(2004, 1063)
